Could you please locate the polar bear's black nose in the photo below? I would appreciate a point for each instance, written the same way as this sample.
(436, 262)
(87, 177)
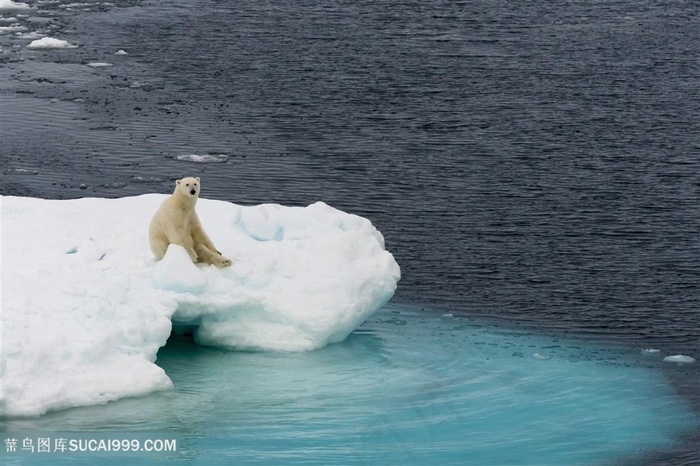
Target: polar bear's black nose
(193, 192)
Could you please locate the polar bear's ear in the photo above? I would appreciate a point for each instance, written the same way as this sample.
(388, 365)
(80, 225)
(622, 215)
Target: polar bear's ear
(178, 182)
(197, 178)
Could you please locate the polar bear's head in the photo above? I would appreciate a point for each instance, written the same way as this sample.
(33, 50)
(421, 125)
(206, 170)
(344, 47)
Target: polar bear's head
(189, 187)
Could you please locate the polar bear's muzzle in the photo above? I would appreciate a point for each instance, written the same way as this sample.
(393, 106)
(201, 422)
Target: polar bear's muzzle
(193, 191)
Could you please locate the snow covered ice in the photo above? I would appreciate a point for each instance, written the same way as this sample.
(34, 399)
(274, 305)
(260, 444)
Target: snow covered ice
(49, 43)
(86, 307)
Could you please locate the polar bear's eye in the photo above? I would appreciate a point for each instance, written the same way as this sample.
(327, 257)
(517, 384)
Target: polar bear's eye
(187, 184)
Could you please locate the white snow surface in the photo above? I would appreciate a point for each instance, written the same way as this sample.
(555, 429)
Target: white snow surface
(85, 305)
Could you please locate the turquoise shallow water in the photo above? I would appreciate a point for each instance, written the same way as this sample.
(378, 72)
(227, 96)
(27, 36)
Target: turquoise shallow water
(406, 388)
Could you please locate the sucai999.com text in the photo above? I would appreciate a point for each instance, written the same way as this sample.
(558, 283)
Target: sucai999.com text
(58, 445)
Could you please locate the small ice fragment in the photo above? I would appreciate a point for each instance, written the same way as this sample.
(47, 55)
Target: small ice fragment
(10, 5)
(650, 351)
(20, 171)
(98, 64)
(28, 35)
(147, 179)
(447, 316)
(680, 359)
(11, 29)
(202, 158)
(540, 356)
(49, 43)
(121, 52)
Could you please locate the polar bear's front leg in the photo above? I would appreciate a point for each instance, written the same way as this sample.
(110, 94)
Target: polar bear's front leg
(193, 255)
(188, 244)
(212, 257)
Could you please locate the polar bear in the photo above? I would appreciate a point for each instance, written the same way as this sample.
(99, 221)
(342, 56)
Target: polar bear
(176, 222)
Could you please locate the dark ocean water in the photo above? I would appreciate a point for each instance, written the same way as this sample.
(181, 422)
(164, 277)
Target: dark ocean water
(530, 162)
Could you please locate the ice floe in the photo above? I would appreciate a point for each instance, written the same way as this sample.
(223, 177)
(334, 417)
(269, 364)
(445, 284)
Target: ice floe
(86, 307)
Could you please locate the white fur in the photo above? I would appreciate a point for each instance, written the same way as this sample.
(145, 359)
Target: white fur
(176, 222)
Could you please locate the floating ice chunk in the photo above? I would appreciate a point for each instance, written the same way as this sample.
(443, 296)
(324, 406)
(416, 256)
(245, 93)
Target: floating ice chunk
(73, 6)
(11, 5)
(99, 64)
(680, 359)
(650, 351)
(176, 272)
(11, 29)
(49, 43)
(86, 328)
(20, 171)
(31, 35)
(540, 356)
(145, 179)
(121, 52)
(448, 315)
(202, 158)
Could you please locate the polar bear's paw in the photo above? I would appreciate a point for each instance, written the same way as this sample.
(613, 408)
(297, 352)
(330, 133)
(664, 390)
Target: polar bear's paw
(223, 262)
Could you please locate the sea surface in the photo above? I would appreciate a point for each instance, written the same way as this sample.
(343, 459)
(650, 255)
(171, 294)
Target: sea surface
(530, 164)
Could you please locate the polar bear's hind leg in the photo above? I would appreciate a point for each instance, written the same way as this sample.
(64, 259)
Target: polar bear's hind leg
(159, 245)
